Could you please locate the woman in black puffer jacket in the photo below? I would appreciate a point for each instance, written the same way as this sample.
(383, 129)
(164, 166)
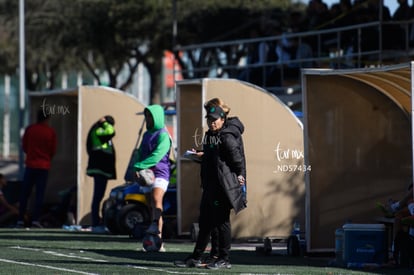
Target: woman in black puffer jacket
(223, 173)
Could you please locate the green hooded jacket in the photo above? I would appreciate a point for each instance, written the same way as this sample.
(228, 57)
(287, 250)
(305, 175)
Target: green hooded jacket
(153, 152)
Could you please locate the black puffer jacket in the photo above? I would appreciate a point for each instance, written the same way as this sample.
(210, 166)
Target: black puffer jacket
(223, 161)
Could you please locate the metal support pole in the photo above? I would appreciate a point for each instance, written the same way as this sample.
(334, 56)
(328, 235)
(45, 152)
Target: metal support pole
(174, 36)
(22, 75)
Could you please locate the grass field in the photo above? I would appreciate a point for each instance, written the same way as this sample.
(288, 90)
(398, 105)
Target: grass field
(56, 251)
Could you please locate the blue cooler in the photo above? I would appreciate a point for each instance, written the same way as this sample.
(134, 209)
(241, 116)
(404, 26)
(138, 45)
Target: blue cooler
(364, 243)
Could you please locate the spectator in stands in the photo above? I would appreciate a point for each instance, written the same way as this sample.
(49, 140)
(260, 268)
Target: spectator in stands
(342, 15)
(369, 11)
(256, 57)
(388, 31)
(317, 14)
(272, 74)
(259, 54)
(403, 12)
(316, 17)
(375, 7)
(334, 14)
(297, 22)
(291, 49)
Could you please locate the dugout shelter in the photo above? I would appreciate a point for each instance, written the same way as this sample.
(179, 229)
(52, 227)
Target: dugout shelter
(358, 141)
(273, 141)
(73, 112)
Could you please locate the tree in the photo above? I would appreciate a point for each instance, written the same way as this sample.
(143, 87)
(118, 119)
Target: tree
(216, 21)
(113, 35)
(46, 50)
(8, 40)
(102, 35)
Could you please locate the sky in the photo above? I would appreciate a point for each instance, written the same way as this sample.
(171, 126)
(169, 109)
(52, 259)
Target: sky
(391, 4)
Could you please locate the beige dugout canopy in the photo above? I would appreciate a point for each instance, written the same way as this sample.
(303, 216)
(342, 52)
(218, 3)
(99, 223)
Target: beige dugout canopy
(273, 141)
(358, 141)
(73, 113)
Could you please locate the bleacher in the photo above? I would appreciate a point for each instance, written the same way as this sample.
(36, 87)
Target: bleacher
(366, 45)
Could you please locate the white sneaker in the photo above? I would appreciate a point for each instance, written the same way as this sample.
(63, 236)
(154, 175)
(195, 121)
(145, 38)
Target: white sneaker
(153, 229)
(162, 248)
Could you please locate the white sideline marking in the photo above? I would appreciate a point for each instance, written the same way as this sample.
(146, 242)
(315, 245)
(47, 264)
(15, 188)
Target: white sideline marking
(59, 254)
(48, 266)
(165, 271)
(90, 259)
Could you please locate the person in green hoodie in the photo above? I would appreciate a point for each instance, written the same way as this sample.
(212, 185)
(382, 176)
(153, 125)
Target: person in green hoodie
(153, 154)
(101, 164)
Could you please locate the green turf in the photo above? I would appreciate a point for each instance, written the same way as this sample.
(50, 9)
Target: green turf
(56, 251)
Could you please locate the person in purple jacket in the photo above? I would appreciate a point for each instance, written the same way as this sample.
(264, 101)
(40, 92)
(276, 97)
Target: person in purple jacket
(153, 154)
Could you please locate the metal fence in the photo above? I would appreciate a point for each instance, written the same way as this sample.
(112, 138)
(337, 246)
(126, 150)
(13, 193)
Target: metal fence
(357, 46)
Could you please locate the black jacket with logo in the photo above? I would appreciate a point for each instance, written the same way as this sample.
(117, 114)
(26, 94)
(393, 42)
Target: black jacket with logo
(222, 162)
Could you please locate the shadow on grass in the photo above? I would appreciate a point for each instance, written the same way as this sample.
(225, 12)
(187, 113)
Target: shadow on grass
(118, 249)
(243, 260)
(60, 235)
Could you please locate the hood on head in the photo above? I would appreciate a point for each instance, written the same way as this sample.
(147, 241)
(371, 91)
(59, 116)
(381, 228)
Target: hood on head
(157, 112)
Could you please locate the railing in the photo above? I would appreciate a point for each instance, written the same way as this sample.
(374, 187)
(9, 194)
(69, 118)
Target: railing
(356, 46)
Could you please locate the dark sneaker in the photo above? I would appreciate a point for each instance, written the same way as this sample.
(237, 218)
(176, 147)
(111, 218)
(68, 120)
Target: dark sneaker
(100, 229)
(37, 224)
(188, 262)
(220, 264)
(153, 229)
(19, 225)
(207, 261)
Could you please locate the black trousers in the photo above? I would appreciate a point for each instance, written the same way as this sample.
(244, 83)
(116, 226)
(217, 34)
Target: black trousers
(100, 183)
(214, 217)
